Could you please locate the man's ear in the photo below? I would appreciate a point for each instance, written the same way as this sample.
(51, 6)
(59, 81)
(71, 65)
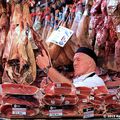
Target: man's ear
(91, 63)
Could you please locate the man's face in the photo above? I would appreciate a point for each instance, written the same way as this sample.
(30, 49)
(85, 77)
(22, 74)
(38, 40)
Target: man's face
(81, 64)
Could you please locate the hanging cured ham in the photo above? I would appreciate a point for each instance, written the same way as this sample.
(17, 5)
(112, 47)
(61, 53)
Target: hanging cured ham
(20, 66)
(3, 30)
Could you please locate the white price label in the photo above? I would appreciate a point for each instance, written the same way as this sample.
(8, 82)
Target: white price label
(19, 111)
(67, 102)
(88, 114)
(58, 85)
(78, 92)
(91, 97)
(84, 100)
(54, 113)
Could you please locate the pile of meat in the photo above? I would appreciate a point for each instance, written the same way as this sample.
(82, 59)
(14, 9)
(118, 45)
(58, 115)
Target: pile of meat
(26, 100)
(62, 96)
(99, 31)
(18, 100)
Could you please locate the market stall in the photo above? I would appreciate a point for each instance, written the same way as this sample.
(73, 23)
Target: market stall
(28, 27)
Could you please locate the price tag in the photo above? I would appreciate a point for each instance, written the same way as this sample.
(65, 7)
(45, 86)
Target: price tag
(60, 36)
(91, 97)
(55, 113)
(19, 110)
(58, 85)
(84, 100)
(78, 92)
(114, 98)
(67, 102)
(88, 112)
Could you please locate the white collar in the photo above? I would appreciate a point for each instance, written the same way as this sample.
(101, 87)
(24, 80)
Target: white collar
(83, 77)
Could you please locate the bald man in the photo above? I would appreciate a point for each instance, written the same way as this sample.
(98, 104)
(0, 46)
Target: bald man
(84, 64)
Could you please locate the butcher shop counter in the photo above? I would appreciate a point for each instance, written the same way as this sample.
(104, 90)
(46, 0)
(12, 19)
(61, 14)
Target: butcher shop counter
(96, 116)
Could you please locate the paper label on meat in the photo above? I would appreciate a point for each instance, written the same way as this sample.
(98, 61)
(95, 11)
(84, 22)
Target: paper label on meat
(58, 85)
(77, 92)
(91, 97)
(88, 112)
(67, 102)
(56, 112)
(84, 100)
(18, 110)
(60, 36)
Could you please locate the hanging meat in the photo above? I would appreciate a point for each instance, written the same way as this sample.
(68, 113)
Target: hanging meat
(26, 14)
(64, 56)
(3, 30)
(40, 43)
(17, 14)
(20, 66)
(117, 54)
(21, 61)
(2, 42)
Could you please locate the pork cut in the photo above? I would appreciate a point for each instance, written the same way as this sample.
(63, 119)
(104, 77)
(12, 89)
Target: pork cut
(20, 89)
(27, 100)
(68, 111)
(60, 89)
(60, 100)
(52, 100)
(83, 91)
(117, 54)
(100, 90)
(96, 8)
(111, 99)
(7, 112)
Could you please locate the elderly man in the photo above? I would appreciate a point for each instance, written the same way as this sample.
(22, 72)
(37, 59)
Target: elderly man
(84, 63)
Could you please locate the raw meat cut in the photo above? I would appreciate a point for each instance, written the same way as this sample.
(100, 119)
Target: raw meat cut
(60, 89)
(20, 89)
(27, 100)
(7, 112)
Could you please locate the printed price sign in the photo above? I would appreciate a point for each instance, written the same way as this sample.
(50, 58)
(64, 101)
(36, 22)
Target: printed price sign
(88, 112)
(60, 36)
(55, 113)
(19, 110)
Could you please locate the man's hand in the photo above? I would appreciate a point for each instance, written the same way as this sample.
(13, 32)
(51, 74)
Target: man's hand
(42, 61)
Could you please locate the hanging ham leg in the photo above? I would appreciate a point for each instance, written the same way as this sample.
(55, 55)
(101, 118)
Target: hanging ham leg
(40, 43)
(117, 54)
